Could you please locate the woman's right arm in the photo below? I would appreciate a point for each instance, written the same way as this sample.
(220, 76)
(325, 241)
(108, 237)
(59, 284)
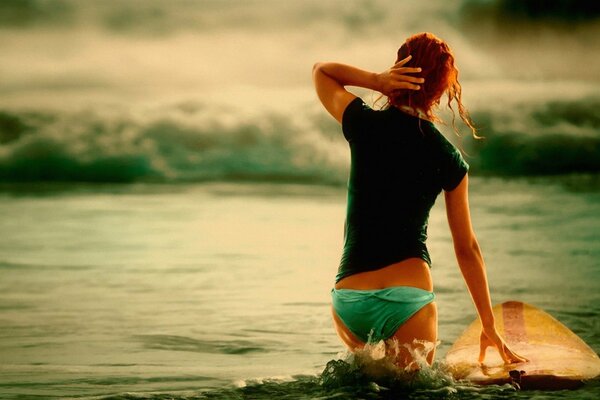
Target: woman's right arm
(330, 80)
(472, 267)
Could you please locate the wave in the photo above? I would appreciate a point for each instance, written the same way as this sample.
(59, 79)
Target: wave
(177, 144)
(195, 143)
(558, 137)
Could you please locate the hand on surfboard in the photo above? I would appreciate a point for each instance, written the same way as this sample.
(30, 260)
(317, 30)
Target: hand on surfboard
(490, 337)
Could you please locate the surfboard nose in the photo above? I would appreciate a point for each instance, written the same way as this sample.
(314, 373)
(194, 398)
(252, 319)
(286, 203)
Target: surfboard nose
(514, 322)
(558, 358)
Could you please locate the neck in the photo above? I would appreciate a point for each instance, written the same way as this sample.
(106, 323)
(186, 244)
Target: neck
(414, 112)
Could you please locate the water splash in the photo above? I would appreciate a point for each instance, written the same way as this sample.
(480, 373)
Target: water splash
(373, 372)
(378, 363)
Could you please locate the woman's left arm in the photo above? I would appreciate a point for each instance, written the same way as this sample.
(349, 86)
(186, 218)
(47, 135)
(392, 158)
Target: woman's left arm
(330, 80)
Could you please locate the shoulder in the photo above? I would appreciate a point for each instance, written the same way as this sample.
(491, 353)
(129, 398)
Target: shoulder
(450, 162)
(357, 108)
(432, 133)
(438, 140)
(356, 118)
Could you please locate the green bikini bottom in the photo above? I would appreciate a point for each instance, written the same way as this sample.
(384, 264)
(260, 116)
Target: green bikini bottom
(374, 315)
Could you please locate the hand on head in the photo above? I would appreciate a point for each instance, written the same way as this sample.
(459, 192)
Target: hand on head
(490, 337)
(396, 78)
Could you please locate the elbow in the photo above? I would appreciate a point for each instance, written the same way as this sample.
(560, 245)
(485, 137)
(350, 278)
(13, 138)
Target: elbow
(467, 248)
(317, 67)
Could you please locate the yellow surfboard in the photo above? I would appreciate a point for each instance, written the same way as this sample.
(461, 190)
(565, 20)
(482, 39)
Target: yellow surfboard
(558, 358)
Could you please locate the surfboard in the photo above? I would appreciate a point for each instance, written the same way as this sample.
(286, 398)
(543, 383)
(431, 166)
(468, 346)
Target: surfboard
(558, 358)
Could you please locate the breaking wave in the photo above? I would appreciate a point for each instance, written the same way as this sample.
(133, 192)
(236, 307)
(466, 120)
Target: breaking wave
(558, 137)
(178, 144)
(195, 142)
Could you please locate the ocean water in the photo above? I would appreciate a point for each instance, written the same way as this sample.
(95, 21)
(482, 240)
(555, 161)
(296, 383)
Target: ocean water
(221, 290)
(172, 194)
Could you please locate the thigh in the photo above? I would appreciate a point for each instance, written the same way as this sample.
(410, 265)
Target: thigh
(351, 341)
(421, 327)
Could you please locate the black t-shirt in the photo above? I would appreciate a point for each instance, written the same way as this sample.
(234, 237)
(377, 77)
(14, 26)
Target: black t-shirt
(400, 164)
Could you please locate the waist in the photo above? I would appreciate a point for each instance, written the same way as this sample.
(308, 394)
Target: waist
(413, 272)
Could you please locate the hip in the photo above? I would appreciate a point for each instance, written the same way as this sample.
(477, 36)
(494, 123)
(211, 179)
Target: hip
(414, 272)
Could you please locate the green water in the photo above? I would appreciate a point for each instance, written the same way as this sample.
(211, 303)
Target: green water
(125, 273)
(221, 290)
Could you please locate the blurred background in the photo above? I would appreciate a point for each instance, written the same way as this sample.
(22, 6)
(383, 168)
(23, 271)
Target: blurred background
(172, 194)
(201, 90)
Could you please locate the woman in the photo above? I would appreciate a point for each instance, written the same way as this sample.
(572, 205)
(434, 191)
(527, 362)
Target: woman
(400, 163)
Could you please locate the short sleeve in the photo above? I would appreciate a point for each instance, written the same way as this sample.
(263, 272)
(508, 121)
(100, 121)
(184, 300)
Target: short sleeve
(354, 119)
(453, 167)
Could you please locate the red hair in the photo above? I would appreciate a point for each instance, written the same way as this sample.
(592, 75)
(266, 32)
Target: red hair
(436, 60)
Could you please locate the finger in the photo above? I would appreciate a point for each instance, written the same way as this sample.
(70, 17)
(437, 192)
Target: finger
(482, 350)
(510, 356)
(403, 61)
(514, 356)
(522, 359)
(503, 354)
(406, 70)
(406, 85)
(408, 78)
(483, 345)
(518, 359)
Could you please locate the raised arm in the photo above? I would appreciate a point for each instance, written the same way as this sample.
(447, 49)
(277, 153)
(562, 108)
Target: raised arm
(330, 80)
(472, 267)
